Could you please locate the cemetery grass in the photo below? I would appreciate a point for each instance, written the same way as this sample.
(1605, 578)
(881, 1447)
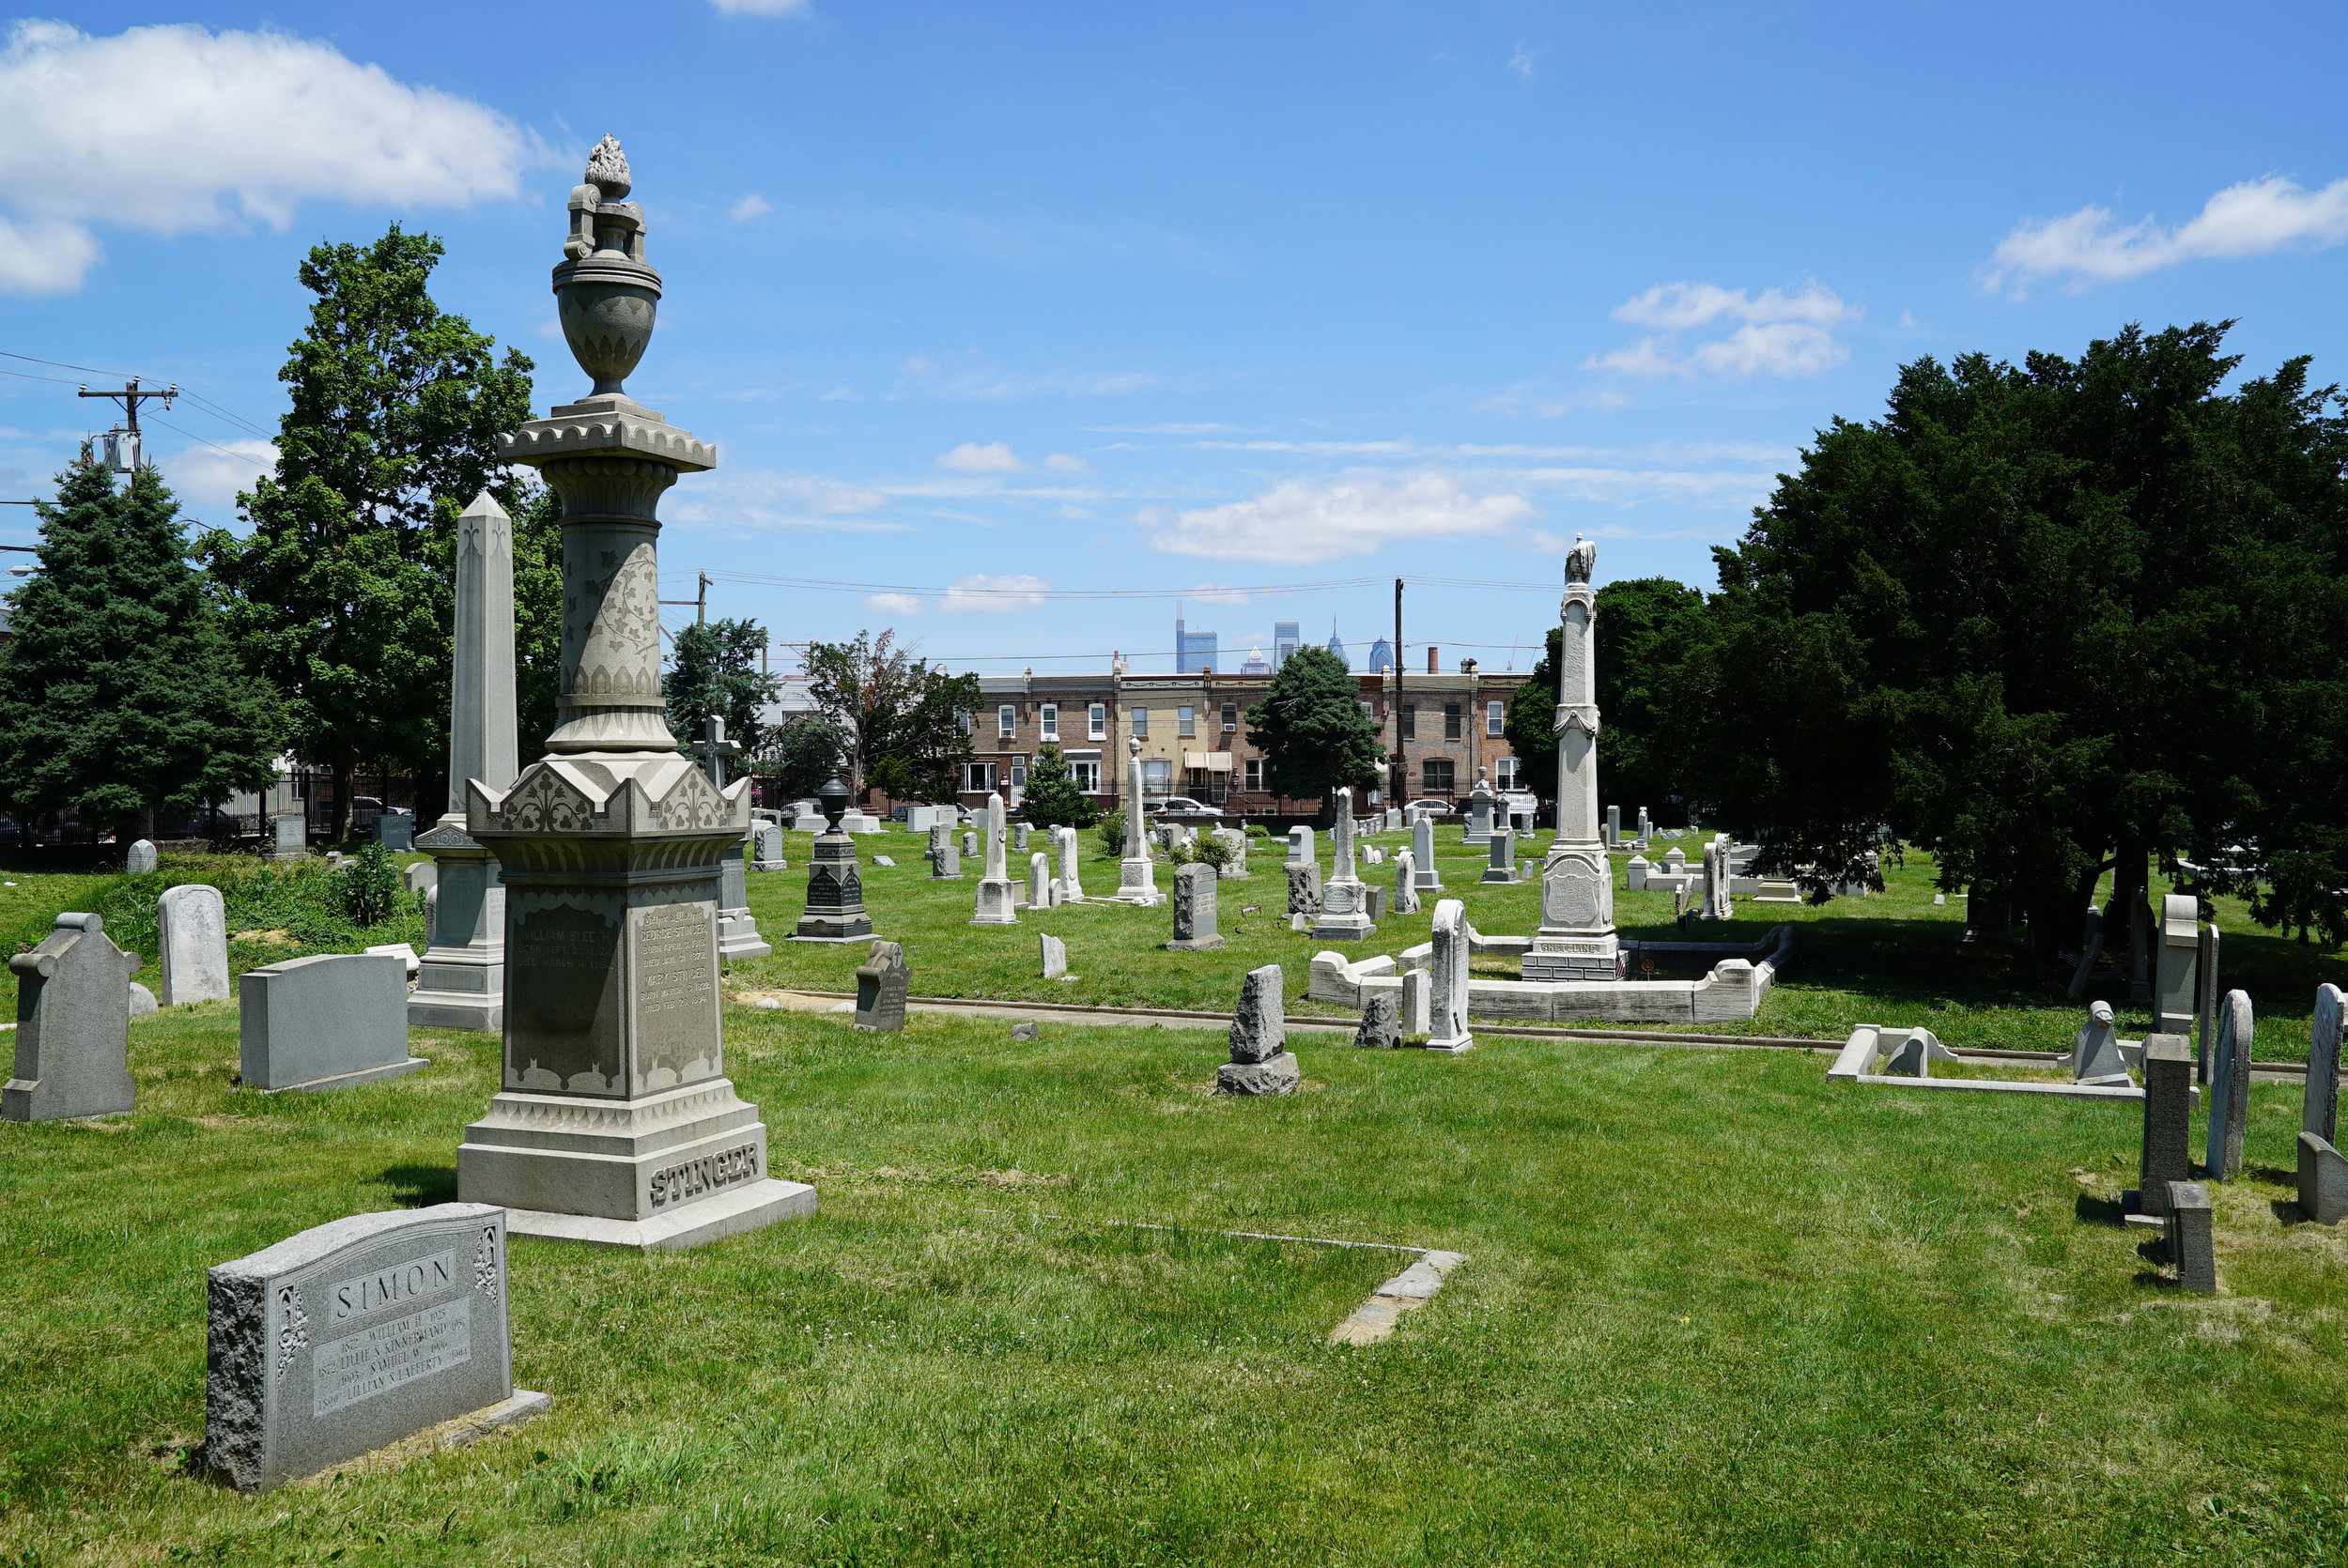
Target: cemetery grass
(1895, 958)
(1717, 1311)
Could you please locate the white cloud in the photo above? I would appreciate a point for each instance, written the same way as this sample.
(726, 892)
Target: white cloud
(970, 458)
(1781, 334)
(173, 129)
(760, 7)
(1067, 462)
(1298, 521)
(749, 206)
(977, 594)
(765, 499)
(212, 475)
(2251, 219)
(895, 603)
(1521, 62)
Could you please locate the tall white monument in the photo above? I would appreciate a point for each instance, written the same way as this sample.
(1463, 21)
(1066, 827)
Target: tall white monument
(461, 982)
(1136, 879)
(1575, 939)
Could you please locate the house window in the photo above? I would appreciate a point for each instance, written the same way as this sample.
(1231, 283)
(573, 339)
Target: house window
(1007, 721)
(1097, 721)
(1186, 721)
(1051, 720)
(977, 779)
(1451, 721)
(1495, 719)
(1085, 775)
(1370, 716)
(1504, 774)
(1018, 773)
(1435, 776)
(1230, 717)
(1142, 724)
(1255, 773)
(961, 719)
(1410, 721)
(1157, 776)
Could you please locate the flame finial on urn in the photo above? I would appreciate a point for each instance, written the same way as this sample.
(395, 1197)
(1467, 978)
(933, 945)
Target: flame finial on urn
(607, 293)
(607, 169)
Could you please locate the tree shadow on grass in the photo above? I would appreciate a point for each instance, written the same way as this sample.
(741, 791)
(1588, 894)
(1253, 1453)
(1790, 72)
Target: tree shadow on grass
(421, 1186)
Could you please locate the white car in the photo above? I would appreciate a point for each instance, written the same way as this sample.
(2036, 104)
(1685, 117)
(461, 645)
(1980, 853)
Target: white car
(1430, 808)
(1182, 806)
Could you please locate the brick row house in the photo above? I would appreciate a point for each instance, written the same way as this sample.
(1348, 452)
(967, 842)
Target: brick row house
(1193, 731)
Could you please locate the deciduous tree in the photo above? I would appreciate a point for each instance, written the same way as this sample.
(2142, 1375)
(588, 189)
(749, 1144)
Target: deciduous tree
(1311, 729)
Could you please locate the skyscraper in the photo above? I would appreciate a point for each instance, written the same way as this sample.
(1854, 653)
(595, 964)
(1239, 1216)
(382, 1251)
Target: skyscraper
(1381, 656)
(1285, 640)
(1337, 648)
(1193, 651)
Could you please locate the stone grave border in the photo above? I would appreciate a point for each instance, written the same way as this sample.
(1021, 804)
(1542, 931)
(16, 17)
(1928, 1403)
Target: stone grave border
(1860, 1054)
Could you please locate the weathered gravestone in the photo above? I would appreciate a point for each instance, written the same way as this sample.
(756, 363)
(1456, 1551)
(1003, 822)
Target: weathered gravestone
(2323, 1173)
(1261, 1062)
(139, 858)
(767, 839)
(2192, 1250)
(1418, 1005)
(72, 1025)
(994, 906)
(1450, 997)
(2096, 1056)
(882, 984)
(1613, 827)
(969, 843)
(395, 830)
(1424, 877)
(945, 859)
(1304, 890)
(1071, 890)
(887, 860)
(327, 1021)
(1382, 1022)
(292, 829)
(1405, 883)
(2174, 963)
(1502, 866)
(2165, 1152)
(2322, 1180)
(1055, 954)
(1039, 880)
(352, 1336)
(417, 877)
(1300, 846)
(1344, 915)
(192, 930)
(2230, 1087)
(1193, 910)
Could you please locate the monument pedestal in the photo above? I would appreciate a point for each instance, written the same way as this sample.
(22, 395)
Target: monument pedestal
(834, 890)
(737, 929)
(1577, 939)
(460, 981)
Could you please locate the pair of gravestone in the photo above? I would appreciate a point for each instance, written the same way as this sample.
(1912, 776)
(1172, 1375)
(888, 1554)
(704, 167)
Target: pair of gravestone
(1261, 1062)
(1389, 1017)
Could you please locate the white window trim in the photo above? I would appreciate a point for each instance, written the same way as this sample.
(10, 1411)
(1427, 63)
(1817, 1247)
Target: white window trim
(1495, 719)
(1051, 721)
(1097, 721)
(1006, 721)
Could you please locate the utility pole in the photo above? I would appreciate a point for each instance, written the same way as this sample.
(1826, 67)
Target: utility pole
(130, 397)
(700, 601)
(1400, 792)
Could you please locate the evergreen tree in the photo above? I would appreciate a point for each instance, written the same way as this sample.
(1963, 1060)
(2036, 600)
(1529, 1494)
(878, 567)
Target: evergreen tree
(1311, 729)
(713, 670)
(340, 594)
(1053, 799)
(128, 696)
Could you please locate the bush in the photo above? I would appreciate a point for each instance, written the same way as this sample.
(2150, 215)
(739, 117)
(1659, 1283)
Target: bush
(1204, 849)
(367, 890)
(1113, 835)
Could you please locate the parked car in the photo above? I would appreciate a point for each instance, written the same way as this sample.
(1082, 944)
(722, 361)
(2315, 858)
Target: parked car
(1182, 806)
(1430, 808)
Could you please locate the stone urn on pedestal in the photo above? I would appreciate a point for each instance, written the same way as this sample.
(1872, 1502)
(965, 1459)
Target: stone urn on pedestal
(835, 881)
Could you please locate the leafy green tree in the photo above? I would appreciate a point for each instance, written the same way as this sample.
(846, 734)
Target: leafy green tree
(340, 594)
(800, 758)
(714, 671)
(1643, 626)
(2050, 619)
(1311, 729)
(1053, 799)
(900, 719)
(127, 695)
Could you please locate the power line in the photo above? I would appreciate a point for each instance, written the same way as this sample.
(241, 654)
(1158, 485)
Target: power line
(205, 403)
(823, 586)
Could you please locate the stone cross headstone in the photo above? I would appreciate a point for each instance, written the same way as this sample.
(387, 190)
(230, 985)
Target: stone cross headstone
(139, 859)
(995, 905)
(1427, 879)
(1301, 846)
(1344, 901)
(1194, 909)
(1405, 883)
(72, 1025)
(2192, 1248)
(1502, 868)
(1071, 875)
(2165, 1154)
(1382, 1022)
(1039, 879)
(1055, 953)
(2230, 1087)
(1418, 1004)
(1261, 1062)
(353, 1335)
(192, 932)
(327, 1021)
(882, 984)
(2095, 1049)
(2319, 1107)
(1450, 998)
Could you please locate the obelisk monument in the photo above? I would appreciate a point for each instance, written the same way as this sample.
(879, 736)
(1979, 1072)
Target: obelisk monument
(1575, 939)
(461, 981)
(616, 1122)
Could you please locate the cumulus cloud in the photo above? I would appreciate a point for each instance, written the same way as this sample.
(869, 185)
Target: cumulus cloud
(970, 458)
(1067, 462)
(749, 206)
(760, 7)
(977, 594)
(173, 129)
(1299, 521)
(1778, 333)
(768, 499)
(2251, 219)
(212, 475)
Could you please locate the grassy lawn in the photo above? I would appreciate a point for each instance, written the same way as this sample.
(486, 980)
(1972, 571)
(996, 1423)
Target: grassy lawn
(1717, 1311)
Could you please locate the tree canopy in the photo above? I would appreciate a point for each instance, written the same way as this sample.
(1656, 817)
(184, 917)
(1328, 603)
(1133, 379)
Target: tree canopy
(714, 671)
(900, 719)
(1053, 799)
(340, 594)
(1311, 729)
(127, 695)
(1641, 626)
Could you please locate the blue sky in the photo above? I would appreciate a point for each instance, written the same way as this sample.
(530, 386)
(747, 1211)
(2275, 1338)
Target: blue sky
(990, 309)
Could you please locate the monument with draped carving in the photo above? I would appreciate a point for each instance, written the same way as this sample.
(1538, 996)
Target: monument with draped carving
(1575, 939)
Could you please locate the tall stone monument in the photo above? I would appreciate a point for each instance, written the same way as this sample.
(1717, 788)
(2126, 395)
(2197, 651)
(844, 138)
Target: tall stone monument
(461, 982)
(616, 1122)
(995, 905)
(1575, 939)
(835, 883)
(1344, 901)
(1136, 880)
